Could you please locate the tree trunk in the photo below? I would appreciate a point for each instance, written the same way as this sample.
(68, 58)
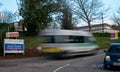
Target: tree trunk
(89, 25)
(119, 28)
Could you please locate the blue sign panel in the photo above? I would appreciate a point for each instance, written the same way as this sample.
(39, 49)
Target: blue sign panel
(14, 47)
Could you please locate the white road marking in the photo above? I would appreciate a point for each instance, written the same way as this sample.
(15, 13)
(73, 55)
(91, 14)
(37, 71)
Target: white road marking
(98, 66)
(61, 67)
(94, 66)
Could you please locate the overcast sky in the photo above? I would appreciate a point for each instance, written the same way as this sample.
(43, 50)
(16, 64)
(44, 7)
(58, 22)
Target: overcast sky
(11, 5)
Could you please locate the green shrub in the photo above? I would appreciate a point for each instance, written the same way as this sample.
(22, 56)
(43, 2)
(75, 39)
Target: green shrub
(31, 41)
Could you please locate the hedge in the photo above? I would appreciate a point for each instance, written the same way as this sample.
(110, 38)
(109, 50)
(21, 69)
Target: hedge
(103, 34)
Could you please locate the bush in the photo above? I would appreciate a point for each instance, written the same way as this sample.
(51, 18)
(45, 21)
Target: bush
(26, 33)
(103, 34)
(2, 36)
(1, 49)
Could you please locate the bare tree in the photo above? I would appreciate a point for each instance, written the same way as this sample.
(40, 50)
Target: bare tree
(6, 17)
(87, 10)
(1, 4)
(116, 18)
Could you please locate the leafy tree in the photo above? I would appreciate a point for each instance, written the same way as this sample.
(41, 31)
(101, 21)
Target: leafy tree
(3, 30)
(37, 13)
(65, 16)
(3, 26)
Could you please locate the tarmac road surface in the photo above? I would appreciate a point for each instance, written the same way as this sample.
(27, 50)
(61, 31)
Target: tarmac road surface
(89, 63)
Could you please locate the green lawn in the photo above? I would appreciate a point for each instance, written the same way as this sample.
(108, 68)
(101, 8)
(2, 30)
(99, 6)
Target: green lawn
(103, 40)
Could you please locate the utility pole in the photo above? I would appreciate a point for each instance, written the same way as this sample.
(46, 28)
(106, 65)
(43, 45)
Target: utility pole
(102, 24)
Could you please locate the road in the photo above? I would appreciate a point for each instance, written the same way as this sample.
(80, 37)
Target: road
(90, 63)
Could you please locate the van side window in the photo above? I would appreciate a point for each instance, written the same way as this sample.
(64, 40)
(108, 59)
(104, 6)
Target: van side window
(49, 39)
(76, 39)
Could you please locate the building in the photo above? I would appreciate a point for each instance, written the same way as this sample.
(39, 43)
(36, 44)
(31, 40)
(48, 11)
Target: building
(98, 28)
(17, 25)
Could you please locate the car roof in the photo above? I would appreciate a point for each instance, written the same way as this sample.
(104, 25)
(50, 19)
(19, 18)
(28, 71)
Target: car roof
(114, 44)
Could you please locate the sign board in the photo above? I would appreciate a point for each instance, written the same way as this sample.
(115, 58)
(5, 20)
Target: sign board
(12, 34)
(114, 35)
(13, 46)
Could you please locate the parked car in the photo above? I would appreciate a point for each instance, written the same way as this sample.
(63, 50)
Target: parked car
(112, 57)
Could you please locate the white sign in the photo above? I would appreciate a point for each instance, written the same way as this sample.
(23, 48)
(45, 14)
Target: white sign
(13, 46)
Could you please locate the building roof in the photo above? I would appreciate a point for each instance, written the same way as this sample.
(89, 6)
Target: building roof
(95, 25)
(98, 28)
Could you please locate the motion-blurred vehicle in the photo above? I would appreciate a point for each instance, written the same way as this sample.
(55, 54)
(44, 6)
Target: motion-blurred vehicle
(62, 43)
(112, 57)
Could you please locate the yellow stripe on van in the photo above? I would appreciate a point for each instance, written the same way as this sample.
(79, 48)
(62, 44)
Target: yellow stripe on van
(51, 50)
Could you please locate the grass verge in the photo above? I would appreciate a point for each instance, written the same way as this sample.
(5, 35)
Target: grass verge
(104, 42)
